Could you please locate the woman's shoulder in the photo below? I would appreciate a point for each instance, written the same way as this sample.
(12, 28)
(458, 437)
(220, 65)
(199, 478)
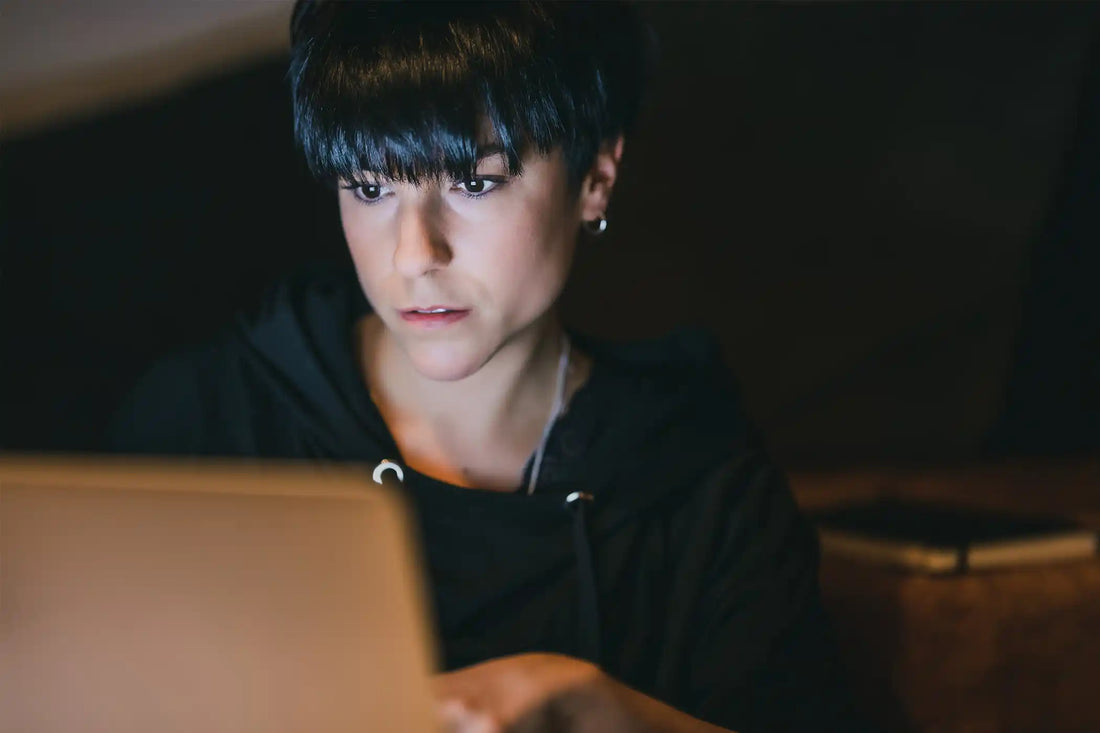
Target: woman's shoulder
(286, 350)
(657, 416)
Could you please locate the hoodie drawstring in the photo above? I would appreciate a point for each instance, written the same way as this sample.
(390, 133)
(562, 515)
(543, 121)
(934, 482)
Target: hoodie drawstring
(588, 608)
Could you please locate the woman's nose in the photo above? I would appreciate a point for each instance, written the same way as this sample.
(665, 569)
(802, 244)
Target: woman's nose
(421, 246)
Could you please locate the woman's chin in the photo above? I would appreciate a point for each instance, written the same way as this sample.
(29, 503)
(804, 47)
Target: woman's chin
(445, 364)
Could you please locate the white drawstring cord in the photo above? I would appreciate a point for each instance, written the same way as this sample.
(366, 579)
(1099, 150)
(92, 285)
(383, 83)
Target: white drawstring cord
(555, 411)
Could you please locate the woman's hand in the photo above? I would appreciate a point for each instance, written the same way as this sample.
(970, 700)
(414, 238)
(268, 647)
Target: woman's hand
(551, 693)
(495, 696)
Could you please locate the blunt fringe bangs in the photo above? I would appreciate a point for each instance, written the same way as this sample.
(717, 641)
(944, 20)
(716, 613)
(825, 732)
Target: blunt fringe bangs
(418, 90)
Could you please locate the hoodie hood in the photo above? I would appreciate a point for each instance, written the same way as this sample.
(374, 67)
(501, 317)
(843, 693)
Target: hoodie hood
(644, 401)
(654, 418)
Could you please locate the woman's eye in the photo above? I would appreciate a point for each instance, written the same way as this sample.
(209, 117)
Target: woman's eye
(369, 192)
(477, 186)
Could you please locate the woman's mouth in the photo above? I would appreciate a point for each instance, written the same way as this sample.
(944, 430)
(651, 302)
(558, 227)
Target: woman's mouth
(434, 316)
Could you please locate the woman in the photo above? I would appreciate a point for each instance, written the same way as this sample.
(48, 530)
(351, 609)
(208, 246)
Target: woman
(608, 545)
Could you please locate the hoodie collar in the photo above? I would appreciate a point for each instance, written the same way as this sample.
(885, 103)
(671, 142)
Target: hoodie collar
(652, 416)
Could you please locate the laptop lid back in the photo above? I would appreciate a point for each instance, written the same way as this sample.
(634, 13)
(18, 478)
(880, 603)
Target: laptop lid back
(141, 595)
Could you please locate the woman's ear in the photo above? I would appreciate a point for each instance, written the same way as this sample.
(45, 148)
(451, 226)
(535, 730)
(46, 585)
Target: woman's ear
(597, 184)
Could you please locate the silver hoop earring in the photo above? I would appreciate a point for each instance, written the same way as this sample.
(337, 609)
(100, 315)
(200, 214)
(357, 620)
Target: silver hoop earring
(596, 226)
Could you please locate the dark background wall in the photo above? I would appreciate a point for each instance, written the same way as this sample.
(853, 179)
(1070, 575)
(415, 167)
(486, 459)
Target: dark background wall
(884, 211)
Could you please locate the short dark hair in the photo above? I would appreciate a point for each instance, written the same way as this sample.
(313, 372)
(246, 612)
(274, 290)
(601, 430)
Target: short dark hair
(405, 89)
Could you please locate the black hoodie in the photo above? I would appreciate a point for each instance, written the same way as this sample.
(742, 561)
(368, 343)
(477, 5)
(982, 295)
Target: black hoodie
(686, 572)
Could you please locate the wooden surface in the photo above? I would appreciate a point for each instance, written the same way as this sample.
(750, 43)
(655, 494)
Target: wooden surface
(1011, 650)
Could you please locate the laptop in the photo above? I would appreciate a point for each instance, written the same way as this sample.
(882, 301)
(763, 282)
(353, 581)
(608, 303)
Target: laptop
(143, 595)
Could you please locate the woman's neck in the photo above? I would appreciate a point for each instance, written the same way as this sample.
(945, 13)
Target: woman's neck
(488, 422)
